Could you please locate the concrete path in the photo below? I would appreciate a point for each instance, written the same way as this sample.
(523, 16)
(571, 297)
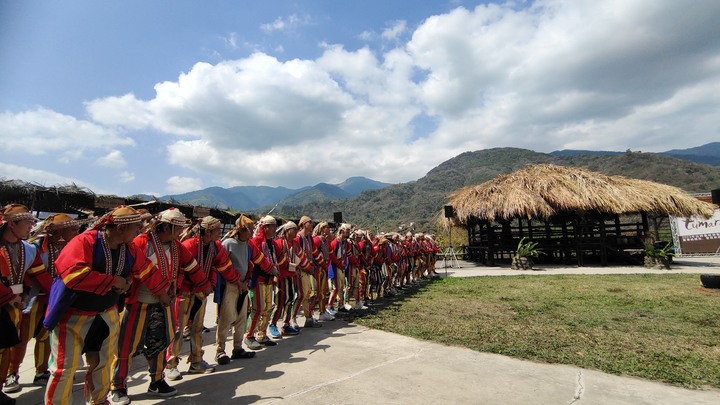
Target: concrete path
(343, 363)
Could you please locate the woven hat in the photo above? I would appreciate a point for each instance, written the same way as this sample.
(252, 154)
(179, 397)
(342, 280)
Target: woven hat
(268, 220)
(304, 219)
(173, 216)
(209, 223)
(119, 216)
(15, 212)
(59, 221)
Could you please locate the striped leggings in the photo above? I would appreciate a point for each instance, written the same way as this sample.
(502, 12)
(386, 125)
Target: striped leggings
(146, 329)
(67, 343)
(31, 327)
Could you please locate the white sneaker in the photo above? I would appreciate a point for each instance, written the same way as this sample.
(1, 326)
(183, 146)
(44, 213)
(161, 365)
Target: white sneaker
(173, 374)
(326, 317)
(331, 311)
(360, 305)
(347, 306)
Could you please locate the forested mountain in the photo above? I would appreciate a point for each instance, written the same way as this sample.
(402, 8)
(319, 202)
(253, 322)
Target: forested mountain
(421, 201)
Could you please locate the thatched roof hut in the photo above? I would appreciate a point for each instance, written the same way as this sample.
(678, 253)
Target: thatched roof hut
(571, 212)
(543, 190)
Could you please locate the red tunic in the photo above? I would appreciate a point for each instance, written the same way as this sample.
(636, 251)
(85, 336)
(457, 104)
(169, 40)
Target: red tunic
(219, 262)
(186, 267)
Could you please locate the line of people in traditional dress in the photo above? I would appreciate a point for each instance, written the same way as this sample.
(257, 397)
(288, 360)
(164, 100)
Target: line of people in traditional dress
(134, 283)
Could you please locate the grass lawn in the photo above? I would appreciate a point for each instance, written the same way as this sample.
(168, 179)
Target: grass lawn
(659, 327)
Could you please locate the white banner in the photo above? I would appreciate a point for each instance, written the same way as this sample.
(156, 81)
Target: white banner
(697, 235)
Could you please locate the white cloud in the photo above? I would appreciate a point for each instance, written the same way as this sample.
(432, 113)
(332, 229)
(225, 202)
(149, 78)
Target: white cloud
(126, 177)
(45, 178)
(552, 75)
(285, 23)
(113, 159)
(393, 32)
(178, 184)
(43, 131)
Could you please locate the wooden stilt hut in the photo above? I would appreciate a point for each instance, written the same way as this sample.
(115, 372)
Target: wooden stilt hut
(572, 213)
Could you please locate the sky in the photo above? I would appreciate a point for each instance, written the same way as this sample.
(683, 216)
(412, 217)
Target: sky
(164, 97)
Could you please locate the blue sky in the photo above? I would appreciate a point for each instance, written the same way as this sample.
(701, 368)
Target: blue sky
(163, 97)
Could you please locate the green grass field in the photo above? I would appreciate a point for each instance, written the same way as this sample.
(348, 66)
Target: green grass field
(659, 327)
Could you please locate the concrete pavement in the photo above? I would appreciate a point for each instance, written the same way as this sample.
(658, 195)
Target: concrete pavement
(343, 363)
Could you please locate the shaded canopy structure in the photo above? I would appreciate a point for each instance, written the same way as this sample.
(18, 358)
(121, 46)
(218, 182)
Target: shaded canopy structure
(567, 210)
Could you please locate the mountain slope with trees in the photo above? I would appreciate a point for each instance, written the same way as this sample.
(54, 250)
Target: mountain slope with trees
(420, 202)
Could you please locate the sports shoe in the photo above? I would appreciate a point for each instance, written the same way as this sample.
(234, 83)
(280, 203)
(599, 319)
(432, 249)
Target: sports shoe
(200, 367)
(331, 311)
(41, 379)
(267, 342)
(295, 328)
(308, 323)
(241, 354)
(360, 305)
(119, 396)
(274, 332)
(186, 334)
(12, 384)
(222, 358)
(287, 330)
(326, 317)
(347, 306)
(252, 344)
(161, 389)
(173, 374)
(343, 309)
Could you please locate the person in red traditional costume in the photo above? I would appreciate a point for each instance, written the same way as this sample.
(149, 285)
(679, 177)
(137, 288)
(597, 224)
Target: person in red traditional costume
(291, 260)
(147, 322)
(432, 256)
(51, 237)
(94, 268)
(337, 269)
(203, 242)
(321, 242)
(232, 299)
(20, 268)
(305, 279)
(365, 261)
(360, 273)
(261, 285)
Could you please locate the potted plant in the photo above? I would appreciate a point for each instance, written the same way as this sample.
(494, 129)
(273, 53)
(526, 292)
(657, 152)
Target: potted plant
(522, 258)
(659, 257)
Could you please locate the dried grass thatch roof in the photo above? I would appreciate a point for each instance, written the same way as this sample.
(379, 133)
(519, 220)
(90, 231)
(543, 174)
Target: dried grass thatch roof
(544, 190)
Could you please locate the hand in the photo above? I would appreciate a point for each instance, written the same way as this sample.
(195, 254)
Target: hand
(242, 286)
(275, 272)
(207, 291)
(16, 302)
(121, 284)
(164, 299)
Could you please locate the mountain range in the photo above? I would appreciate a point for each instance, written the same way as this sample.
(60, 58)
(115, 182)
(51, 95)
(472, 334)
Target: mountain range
(373, 204)
(251, 198)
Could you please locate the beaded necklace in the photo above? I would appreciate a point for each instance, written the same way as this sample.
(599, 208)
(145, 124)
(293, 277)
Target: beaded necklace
(108, 256)
(52, 255)
(15, 255)
(206, 264)
(162, 259)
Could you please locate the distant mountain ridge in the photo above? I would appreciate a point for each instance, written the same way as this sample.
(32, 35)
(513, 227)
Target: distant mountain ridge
(708, 154)
(250, 198)
(378, 205)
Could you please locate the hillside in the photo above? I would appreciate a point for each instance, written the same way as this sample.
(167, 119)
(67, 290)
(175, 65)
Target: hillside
(421, 201)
